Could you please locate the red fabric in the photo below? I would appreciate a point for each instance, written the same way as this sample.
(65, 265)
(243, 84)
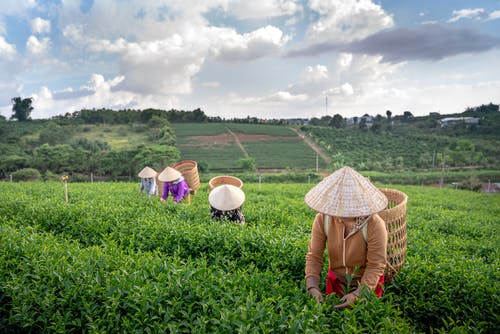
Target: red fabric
(333, 285)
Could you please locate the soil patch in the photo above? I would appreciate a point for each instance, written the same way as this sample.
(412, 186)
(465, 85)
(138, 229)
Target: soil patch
(229, 138)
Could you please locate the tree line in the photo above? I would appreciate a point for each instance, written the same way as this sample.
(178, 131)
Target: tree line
(75, 142)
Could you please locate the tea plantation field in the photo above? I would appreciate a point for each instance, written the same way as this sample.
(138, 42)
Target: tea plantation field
(116, 261)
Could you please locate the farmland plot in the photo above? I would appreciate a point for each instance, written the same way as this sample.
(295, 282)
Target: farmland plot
(116, 261)
(218, 145)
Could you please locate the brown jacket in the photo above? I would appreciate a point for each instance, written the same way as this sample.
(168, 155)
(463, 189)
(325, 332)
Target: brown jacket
(345, 254)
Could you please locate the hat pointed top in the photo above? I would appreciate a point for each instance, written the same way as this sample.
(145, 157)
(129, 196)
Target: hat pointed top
(169, 174)
(226, 197)
(147, 172)
(346, 193)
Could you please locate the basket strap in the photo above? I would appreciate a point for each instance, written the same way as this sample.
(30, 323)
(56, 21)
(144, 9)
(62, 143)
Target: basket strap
(364, 229)
(326, 219)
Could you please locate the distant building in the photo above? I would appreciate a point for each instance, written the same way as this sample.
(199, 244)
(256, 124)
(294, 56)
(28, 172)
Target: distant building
(449, 121)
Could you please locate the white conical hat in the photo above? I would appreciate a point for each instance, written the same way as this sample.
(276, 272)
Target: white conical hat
(169, 174)
(346, 193)
(226, 197)
(147, 172)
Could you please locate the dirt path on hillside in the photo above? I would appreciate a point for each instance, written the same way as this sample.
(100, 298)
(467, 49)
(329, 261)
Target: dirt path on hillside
(237, 140)
(313, 145)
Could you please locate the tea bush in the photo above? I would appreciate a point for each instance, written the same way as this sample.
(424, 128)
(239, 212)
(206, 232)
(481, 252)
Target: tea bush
(114, 260)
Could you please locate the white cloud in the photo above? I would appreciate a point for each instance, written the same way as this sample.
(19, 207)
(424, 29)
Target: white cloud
(10, 66)
(343, 90)
(102, 95)
(230, 46)
(347, 89)
(7, 51)
(15, 7)
(469, 13)
(494, 15)
(344, 60)
(346, 20)
(347, 75)
(210, 84)
(315, 73)
(38, 47)
(259, 9)
(168, 65)
(277, 98)
(40, 26)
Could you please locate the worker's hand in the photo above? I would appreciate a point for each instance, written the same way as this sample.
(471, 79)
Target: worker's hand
(161, 199)
(314, 292)
(349, 299)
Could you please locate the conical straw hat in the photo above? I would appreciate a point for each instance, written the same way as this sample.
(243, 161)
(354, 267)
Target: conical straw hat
(346, 193)
(147, 172)
(226, 197)
(169, 174)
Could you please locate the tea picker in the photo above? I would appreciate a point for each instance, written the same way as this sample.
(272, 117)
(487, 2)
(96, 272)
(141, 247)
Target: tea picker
(174, 184)
(350, 226)
(148, 181)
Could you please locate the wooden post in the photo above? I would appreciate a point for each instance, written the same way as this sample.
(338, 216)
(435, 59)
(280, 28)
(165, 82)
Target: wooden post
(441, 180)
(64, 179)
(91, 177)
(10, 178)
(260, 180)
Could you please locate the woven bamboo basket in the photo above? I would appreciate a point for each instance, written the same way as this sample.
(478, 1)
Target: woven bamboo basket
(395, 222)
(189, 170)
(225, 179)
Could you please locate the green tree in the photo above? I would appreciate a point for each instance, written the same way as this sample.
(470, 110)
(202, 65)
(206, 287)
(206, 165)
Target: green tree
(21, 108)
(338, 160)
(156, 156)
(248, 164)
(53, 134)
(389, 114)
(337, 121)
(407, 115)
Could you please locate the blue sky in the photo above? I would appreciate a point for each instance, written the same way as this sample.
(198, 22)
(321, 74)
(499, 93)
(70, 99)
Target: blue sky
(262, 58)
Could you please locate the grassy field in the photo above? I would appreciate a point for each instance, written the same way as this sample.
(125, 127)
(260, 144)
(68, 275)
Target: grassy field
(198, 129)
(218, 157)
(283, 153)
(271, 146)
(117, 136)
(262, 129)
(117, 261)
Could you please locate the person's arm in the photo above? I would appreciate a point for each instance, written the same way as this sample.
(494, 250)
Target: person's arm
(141, 188)
(314, 257)
(181, 191)
(165, 191)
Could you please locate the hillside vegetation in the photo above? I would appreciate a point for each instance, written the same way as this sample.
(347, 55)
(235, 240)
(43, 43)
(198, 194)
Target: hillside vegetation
(114, 260)
(115, 145)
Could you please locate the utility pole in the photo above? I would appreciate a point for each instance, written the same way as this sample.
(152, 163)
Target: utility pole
(326, 105)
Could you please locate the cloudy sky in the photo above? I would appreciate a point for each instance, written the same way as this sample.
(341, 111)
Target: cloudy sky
(262, 58)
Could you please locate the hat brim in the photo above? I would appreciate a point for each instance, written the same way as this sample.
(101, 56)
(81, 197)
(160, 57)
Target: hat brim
(147, 172)
(346, 193)
(226, 197)
(169, 174)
